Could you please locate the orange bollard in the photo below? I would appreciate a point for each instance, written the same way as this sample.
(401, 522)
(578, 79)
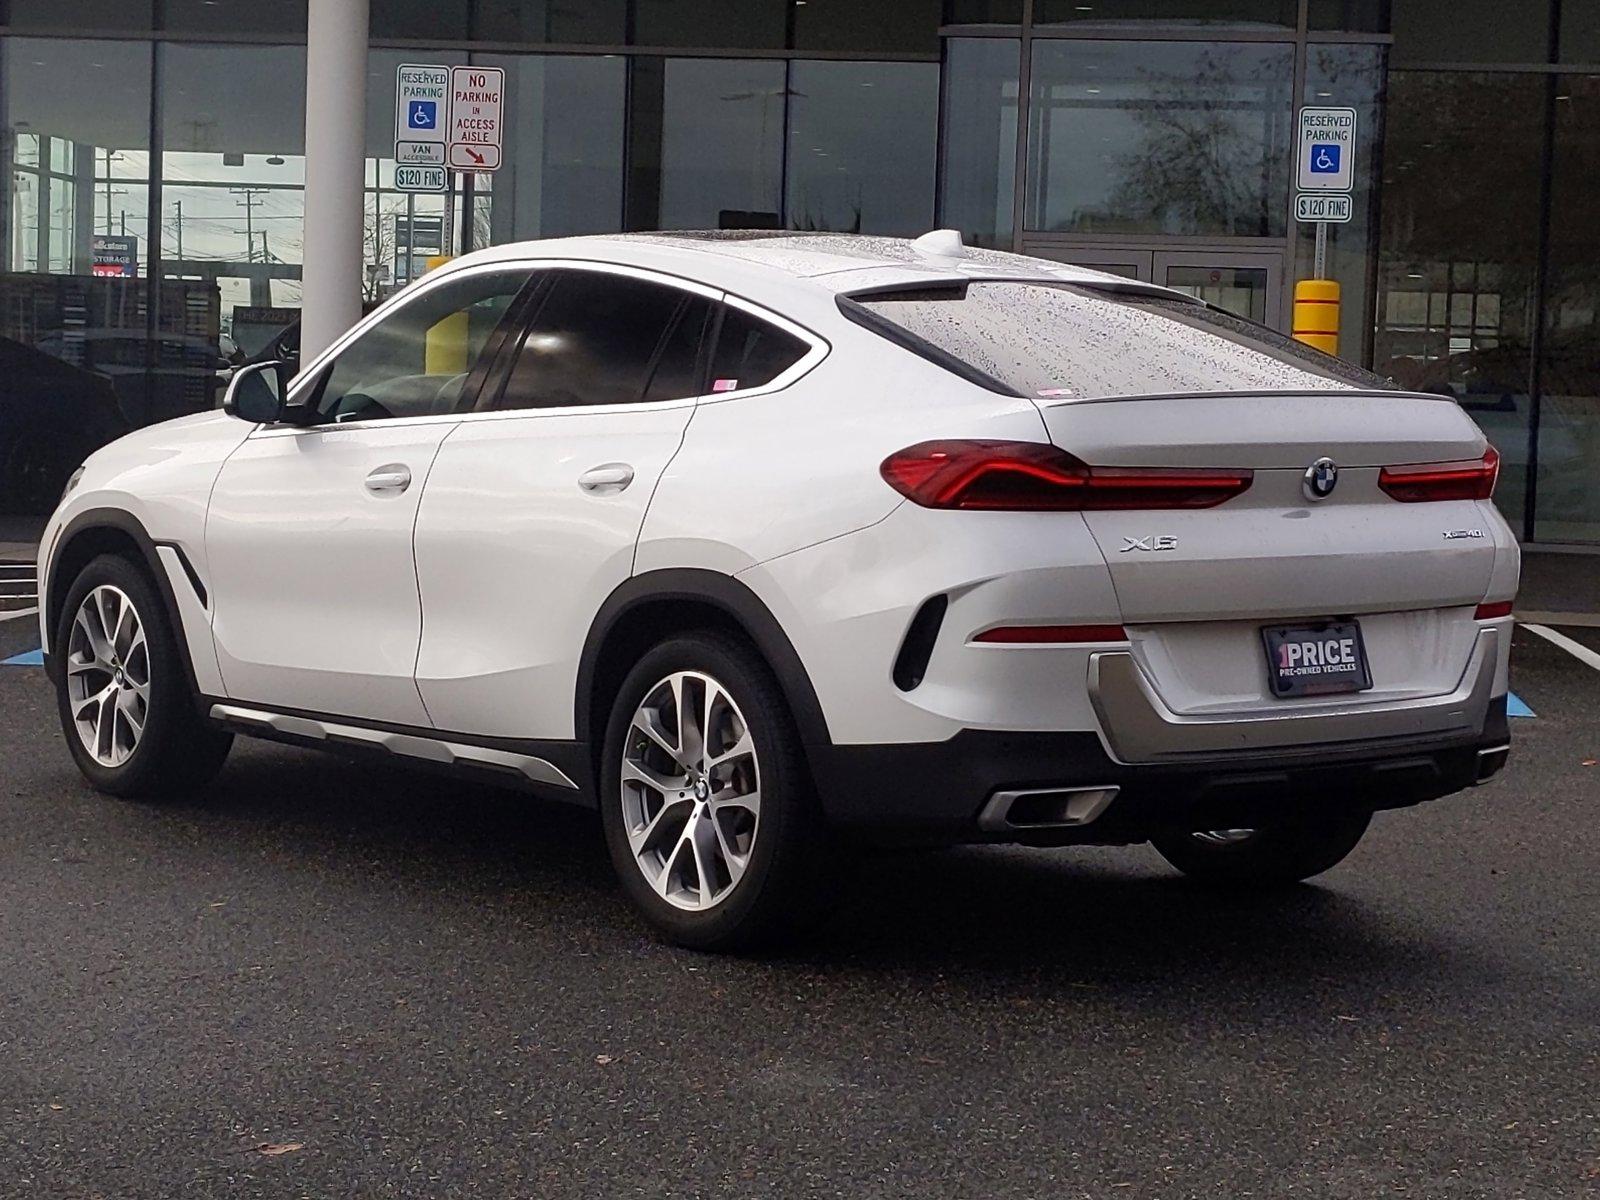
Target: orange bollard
(1316, 314)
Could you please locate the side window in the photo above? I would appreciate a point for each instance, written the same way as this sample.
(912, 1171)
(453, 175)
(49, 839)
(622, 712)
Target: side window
(415, 362)
(750, 352)
(600, 338)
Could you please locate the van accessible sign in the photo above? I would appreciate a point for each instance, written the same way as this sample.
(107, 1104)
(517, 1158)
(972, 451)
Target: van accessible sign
(1327, 150)
(476, 95)
(421, 110)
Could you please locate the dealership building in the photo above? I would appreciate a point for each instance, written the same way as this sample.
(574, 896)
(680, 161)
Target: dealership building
(154, 223)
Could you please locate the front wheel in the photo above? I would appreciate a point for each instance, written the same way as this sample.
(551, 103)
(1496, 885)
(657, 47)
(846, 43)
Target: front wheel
(708, 808)
(1289, 850)
(124, 699)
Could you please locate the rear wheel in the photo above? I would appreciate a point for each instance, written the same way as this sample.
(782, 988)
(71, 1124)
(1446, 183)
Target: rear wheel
(1275, 855)
(124, 699)
(708, 808)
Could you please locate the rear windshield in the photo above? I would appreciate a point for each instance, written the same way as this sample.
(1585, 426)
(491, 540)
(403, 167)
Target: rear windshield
(1065, 342)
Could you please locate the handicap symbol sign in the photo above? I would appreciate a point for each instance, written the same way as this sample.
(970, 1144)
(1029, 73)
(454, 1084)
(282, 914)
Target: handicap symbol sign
(423, 114)
(1325, 158)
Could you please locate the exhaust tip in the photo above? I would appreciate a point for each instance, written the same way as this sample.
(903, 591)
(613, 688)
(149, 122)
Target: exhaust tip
(1044, 808)
(1491, 761)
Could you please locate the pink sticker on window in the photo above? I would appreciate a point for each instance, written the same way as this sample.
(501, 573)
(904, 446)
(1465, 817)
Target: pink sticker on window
(725, 385)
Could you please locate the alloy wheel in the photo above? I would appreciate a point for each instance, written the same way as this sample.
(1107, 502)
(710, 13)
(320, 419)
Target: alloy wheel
(108, 675)
(691, 790)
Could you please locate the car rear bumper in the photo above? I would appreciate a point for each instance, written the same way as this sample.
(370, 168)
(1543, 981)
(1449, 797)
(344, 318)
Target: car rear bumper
(1140, 728)
(968, 789)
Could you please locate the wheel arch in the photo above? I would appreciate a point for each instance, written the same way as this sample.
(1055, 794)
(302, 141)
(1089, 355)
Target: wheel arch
(90, 534)
(648, 607)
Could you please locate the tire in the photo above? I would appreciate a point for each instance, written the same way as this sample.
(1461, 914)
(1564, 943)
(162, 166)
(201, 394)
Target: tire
(144, 738)
(1275, 856)
(712, 875)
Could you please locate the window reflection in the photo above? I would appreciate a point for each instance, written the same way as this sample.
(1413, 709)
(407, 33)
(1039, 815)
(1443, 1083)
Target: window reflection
(863, 26)
(980, 138)
(1568, 500)
(233, 200)
(77, 364)
(1278, 13)
(80, 14)
(563, 139)
(1472, 31)
(1458, 250)
(734, 24)
(593, 21)
(706, 144)
(1160, 137)
(861, 146)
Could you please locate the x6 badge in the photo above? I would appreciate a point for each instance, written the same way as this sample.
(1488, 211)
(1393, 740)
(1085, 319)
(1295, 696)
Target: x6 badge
(1154, 541)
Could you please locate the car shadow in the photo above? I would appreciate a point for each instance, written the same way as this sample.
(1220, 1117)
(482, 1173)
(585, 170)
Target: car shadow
(1002, 921)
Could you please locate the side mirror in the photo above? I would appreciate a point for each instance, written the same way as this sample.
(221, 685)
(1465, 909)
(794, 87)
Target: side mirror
(255, 393)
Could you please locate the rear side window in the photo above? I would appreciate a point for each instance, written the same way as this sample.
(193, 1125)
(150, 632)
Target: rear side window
(1063, 342)
(750, 352)
(600, 338)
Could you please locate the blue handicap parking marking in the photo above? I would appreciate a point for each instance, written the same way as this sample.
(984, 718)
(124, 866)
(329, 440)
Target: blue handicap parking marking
(1325, 158)
(424, 114)
(33, 658)
(1517, 707)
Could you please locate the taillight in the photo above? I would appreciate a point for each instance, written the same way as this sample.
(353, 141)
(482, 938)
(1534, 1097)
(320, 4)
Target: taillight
(1494, 610)
(1418, 482)
(1032, 477)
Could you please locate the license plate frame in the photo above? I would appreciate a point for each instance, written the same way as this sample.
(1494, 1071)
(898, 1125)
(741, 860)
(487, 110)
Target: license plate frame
(1294, 669)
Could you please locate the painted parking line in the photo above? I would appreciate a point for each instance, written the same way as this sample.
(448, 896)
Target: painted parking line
(1577, 649)
(33, 658)
(1516, 706)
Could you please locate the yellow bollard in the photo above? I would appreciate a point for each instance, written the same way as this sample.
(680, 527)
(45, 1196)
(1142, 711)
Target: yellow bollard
(445, 351)
(1316, 314)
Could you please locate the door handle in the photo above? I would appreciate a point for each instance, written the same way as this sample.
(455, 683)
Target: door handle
(606, 480)
(391, 477)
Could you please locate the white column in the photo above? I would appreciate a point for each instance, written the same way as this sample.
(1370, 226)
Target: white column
(336, 122)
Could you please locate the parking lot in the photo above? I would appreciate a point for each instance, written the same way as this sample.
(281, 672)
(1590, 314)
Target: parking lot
(329, 979)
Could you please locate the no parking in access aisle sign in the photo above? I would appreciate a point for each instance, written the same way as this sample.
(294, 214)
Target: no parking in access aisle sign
(476, 95)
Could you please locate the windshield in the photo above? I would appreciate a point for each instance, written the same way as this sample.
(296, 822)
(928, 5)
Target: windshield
(1062, 342)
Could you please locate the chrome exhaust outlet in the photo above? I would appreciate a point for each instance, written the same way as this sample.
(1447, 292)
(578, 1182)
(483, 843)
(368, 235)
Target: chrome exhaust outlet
(1044, 808)
(1490, 762)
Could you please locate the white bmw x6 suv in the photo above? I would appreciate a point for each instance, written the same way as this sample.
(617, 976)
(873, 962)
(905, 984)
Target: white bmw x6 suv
(756, 542)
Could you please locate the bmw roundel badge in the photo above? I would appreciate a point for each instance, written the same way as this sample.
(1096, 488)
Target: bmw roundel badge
(1321, 478)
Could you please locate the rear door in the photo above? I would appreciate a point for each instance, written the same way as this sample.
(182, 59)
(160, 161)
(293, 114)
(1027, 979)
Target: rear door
(534, 505)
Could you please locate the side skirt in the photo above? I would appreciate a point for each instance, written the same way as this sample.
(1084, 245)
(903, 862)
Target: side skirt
(425, 746)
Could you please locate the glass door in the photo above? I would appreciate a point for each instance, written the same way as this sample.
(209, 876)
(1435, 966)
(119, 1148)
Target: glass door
(1247, 284)
(1131, 264)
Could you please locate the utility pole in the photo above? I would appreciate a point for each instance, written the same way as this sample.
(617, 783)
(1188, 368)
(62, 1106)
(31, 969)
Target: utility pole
(248, 203)
(111, 157)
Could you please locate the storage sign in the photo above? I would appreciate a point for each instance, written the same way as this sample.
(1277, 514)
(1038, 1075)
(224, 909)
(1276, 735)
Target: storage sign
(421, 112)
(476, 95)
(1327, 150)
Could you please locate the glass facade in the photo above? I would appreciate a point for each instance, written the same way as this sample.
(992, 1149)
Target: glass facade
(153, 213)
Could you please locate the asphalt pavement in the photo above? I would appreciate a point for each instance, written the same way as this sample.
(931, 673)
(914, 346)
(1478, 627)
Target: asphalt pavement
(338, 980)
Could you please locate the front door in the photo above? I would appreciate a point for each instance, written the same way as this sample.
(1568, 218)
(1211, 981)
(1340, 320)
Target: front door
(309, 532)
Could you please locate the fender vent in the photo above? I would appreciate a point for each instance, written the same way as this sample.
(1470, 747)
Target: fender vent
(911, 664)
